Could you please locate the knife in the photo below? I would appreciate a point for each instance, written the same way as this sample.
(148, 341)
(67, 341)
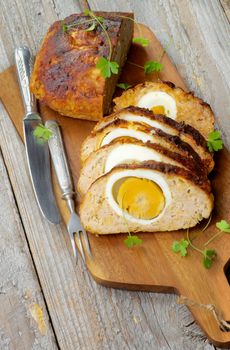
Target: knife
(37, 154)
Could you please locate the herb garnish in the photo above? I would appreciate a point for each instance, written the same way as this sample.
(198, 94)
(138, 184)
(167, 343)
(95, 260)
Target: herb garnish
(208, 255)
(181, 247)
(124, 86)
(132, 241)
(107, 67)
(142, 41)
(215, 142)
(42, 134)
(152, 66)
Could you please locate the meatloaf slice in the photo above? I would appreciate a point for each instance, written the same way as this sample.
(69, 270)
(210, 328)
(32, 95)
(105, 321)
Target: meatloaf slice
(123, 128)
(186, 132)
(188, 200)
(65, 76)
(129, 151)
(184, 105)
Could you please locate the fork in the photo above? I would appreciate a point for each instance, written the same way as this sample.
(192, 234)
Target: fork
(62, 171)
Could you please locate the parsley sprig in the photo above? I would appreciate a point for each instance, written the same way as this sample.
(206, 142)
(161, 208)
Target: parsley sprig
(42, 134)
(124, 86)
(132, 241)
(181, 247)
(142, 41)
(215, 142)
(149, 67)
(208, 255)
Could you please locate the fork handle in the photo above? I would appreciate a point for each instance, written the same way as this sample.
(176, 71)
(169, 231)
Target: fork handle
(60, 162)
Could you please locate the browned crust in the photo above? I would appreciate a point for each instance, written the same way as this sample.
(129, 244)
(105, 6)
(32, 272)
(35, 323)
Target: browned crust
(174, 87)
(180, 126)
(65, 76)
(169, 169)
(186, 161)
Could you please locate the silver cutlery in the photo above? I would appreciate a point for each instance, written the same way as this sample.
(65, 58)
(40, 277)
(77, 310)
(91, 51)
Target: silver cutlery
(37, 154)
(62, 171)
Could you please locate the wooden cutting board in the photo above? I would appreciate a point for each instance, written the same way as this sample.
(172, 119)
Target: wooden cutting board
(153, 266)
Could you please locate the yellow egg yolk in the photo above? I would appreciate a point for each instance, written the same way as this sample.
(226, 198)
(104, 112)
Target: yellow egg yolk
(141, 198)
(158, 110)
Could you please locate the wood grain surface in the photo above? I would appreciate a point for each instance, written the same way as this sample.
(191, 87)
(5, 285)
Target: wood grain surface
(123, 320)
(158, 268)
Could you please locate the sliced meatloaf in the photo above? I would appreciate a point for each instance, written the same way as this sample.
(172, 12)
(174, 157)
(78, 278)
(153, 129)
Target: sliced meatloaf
(123, 128)
(185, 132)
(165, 98)
(187, 200)
(65, 76)
(130, 151)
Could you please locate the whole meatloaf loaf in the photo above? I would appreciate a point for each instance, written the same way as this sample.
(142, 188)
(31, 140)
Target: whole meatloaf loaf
(65, 76)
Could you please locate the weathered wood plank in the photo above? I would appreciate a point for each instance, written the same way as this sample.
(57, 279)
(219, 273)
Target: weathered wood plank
(112, 319)
(226, 7)
(19, 288)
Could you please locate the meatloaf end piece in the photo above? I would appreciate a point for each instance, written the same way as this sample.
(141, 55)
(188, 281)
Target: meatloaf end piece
(191, 201)
(189, 108)
(65, 76)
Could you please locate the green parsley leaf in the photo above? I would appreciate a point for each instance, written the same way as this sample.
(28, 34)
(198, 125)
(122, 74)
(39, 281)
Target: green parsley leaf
(180, 247)
(100, 19)
(223, 225)
(132, 241)
(152, 66)
(124, 86)
(107, 67)
(209, 257)
(142, 41)
(215, 142)
(64, 27)
(42, 134)
(91, 28)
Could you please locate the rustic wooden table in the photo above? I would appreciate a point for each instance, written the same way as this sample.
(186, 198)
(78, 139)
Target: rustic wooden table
(46, 301)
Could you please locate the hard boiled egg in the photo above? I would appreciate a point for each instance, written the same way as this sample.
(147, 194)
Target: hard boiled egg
(159, 102)
(139, 195)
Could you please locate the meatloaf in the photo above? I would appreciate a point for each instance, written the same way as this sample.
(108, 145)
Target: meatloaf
(127, 151)
(165, 98)
(189, 200)
(65, 76)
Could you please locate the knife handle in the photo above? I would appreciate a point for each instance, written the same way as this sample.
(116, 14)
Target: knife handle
(24, 64)
(59, 159)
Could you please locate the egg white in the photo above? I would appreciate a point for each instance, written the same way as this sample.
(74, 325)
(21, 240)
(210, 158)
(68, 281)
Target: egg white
(159, 98)
(123, 132)
(127, 152)
(143, 174)
(142, 119)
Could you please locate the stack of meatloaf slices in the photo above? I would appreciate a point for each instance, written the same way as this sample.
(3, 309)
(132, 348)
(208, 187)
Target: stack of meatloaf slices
(166, 159)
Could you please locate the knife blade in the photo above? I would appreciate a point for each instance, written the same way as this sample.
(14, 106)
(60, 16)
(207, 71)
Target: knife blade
(37, 154)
